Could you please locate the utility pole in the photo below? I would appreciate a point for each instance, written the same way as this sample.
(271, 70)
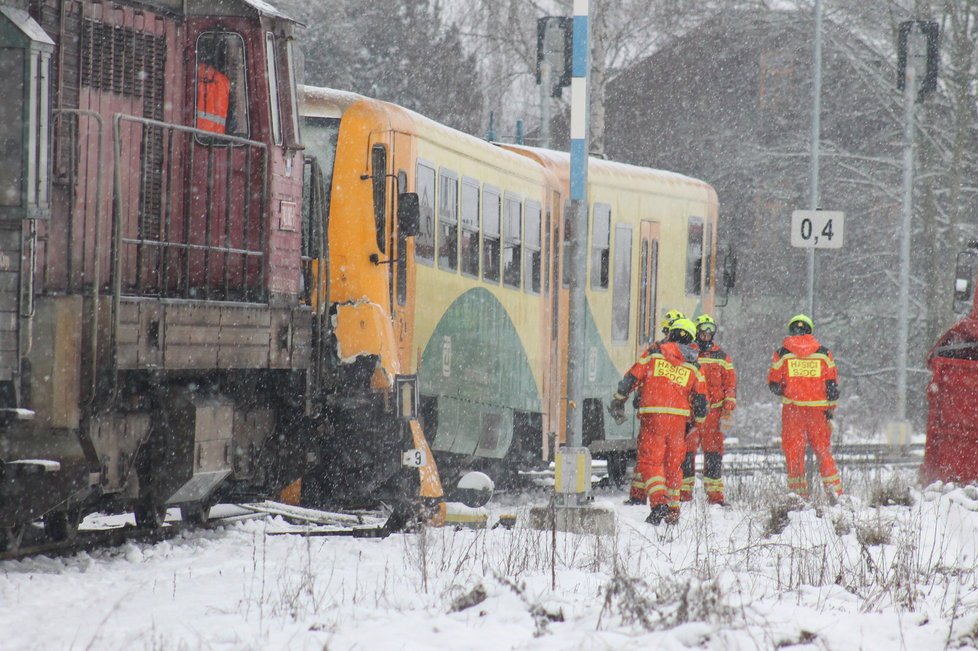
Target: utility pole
(816, 137)
(578, 239)
(917, 54)
(570, 510)
(903, 331)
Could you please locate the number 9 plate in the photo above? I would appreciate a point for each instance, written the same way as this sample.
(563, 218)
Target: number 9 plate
(414, 458)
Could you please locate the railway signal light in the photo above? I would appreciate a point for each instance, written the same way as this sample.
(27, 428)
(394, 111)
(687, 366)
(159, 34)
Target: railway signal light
(918, 41)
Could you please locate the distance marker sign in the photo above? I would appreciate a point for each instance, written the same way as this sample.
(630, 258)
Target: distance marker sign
(817, 229)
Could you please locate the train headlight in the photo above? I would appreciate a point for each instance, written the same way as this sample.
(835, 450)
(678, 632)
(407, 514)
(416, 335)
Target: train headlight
(406, 396)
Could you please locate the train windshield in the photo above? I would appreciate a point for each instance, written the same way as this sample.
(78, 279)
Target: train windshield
(319, 136)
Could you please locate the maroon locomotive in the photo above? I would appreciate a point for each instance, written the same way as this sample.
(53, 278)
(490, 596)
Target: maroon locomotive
(159, 339)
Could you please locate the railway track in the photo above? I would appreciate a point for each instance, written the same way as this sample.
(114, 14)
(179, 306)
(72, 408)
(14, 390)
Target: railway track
(305, 522)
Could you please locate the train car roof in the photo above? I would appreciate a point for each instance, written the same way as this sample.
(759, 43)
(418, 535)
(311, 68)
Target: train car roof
(624, 175)
(328, 102)
(226, 8)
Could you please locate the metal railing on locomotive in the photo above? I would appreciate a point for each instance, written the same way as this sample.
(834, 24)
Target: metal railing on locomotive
(176, 258)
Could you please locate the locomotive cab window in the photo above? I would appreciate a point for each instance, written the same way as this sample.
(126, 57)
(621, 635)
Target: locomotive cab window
(531, 279)
(378, 160)
(600, 245)
(293, 92)
(513, 248)
(424, 243)
(448, 220)
(470, 227)
(273, 100)
(221, 84)
(491, 211)
(694, 256)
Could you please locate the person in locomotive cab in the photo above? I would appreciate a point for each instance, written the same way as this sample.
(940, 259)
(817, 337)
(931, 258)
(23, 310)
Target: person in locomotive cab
(721, 393)
(803, 373)
(671, 389)
(213, 88)
(636, 492)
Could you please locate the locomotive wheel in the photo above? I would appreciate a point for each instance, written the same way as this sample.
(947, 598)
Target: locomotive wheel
(11, 537)
(197, 513)
(149, 514)
(61, 525)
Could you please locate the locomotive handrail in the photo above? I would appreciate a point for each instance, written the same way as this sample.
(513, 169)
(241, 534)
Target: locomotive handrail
(118, 241)
(195, 247)
(97, 267)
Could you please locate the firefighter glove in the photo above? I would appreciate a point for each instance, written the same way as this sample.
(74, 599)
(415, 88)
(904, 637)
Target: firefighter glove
(617, 409)
(829, 414)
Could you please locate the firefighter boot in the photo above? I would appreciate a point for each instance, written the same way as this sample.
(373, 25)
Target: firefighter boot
(672, 517)
(659, 512)
(689, 477)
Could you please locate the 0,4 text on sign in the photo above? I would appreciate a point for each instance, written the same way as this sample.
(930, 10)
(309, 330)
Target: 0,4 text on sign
(818, 229)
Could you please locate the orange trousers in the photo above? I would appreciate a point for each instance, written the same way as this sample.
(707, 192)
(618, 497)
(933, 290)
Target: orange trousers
(799, 427)
(661, 446)
(708, 435)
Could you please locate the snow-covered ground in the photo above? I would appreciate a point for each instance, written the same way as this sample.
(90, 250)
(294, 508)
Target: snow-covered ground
(845, 577)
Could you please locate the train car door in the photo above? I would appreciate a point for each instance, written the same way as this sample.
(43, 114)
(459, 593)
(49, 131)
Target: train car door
(401, 297)
(648, 284)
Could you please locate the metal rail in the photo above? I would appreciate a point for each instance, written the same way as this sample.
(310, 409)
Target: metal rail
(92, 539)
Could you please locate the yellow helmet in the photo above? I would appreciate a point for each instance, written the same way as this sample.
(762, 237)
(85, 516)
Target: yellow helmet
(706, 322)
(685, 325)
(804, 321)
(671, 316)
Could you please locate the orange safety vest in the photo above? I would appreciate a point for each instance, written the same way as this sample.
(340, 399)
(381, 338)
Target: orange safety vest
(213, 96)
(721, 379)
(802, 367)
(666, 381)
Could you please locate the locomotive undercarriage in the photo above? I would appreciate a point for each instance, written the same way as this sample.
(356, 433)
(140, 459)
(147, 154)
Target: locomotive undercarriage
(151, 437)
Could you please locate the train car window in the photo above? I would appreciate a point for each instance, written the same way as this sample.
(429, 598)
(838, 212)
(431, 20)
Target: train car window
(293, 91)
(401, 247)
(708, 258)
(622, 291)
(694, 256)
(424, 243)
(513, 243)
(273, 102)
(470, 227)
(600, 245)
(448, 220)
(568, 230)
(221, 84)
(491, 211)
(378, 168)
(531, 249)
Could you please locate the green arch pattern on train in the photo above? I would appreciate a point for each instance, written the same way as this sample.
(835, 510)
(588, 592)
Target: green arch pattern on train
(601, 377)
(476, 365)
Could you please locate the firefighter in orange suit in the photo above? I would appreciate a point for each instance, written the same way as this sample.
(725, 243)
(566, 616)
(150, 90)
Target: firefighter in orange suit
(671, 389)
(721, 393)
(803, 373)
(636, 492)
(213, 98)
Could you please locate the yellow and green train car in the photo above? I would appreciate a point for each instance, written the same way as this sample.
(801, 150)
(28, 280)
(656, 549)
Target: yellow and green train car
(652, 247)
(473, 301)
